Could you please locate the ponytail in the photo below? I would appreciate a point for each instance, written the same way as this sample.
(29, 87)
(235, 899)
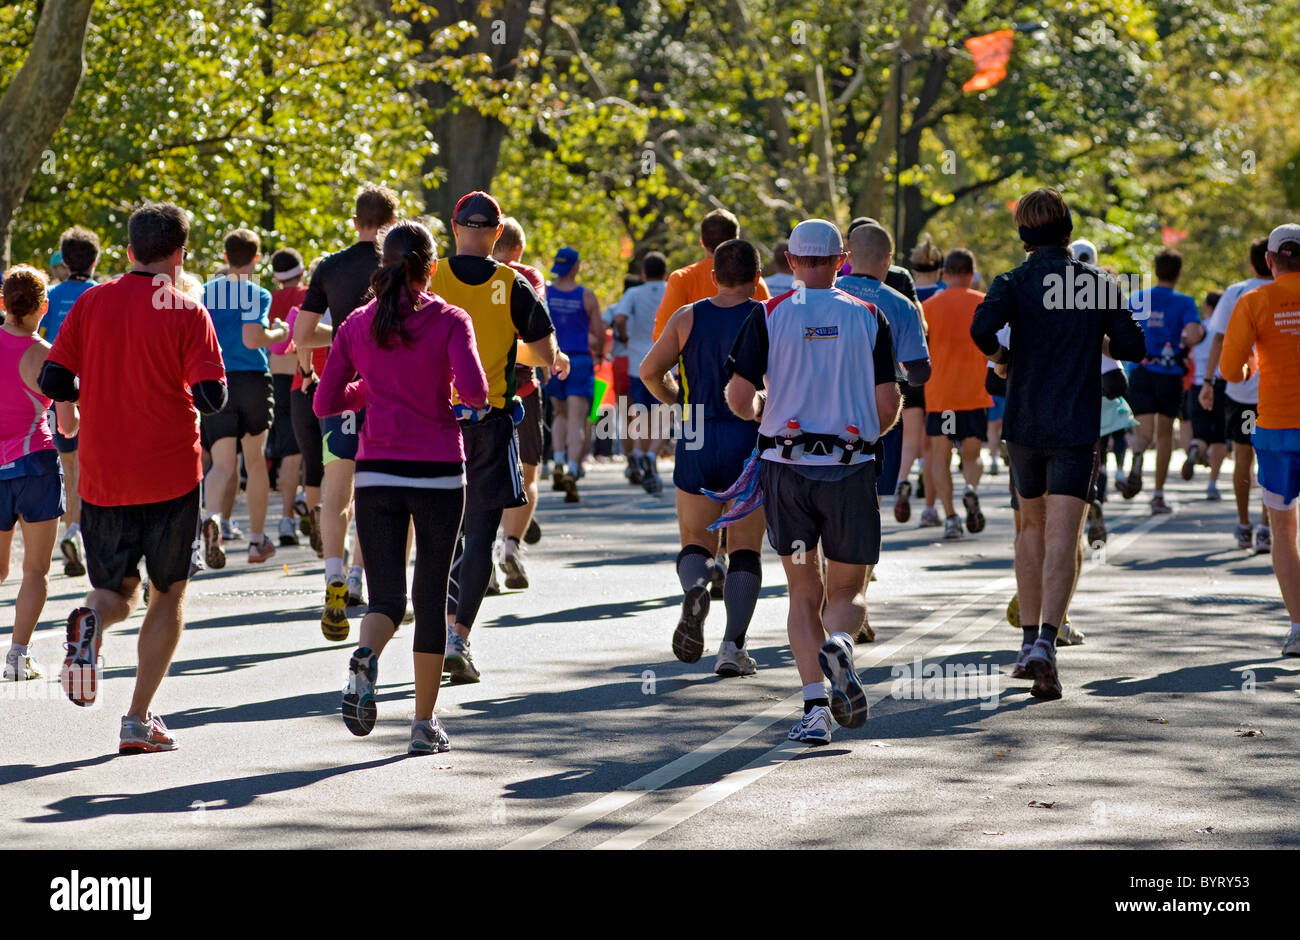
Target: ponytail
(408, 256)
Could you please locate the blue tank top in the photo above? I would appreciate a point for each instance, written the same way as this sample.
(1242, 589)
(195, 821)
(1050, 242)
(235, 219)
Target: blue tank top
(703, 360)
(572, 324)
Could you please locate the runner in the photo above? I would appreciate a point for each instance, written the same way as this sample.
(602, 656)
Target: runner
(474, 281)
(1053, 411)
(340, 285)
(817, 469)
(698, 339)
(139, 480)
(782, 278)
(581, 336)
(398, 356)
(80, 251)
(956, 401)
(287, 272)
(633, 320)
(1208, 443)
(1240, 403)
(1156, 385)
(517, 521)
(927, 267)
(31, 476)
(239, 310)
(1266, 322)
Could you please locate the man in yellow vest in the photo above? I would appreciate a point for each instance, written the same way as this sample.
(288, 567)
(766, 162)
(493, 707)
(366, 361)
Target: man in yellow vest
(503, 306)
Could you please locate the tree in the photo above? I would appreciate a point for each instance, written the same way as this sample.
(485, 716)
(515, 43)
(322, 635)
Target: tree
(35, 101)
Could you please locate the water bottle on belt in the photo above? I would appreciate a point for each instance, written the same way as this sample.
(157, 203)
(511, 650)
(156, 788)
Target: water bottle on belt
(1167, 355)
(464, 412)
(790, 440)
(517, 410)
(848, 445)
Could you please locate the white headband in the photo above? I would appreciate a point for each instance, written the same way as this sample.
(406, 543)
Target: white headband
(287, 275)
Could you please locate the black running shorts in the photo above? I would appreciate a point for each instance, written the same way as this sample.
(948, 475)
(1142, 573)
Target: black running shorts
(492, 478)
(964, 424)
(530, 429)
(1060, 471)
(282, 443)
(165, 535)
(1154, 393)
(1238, 420)
(842, 515)
(913, 396)
(1207, 425)
(250, 408)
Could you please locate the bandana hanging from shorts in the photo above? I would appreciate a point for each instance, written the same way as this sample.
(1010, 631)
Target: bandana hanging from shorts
(746, 491)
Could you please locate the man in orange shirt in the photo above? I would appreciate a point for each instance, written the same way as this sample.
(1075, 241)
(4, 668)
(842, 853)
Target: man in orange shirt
(957, 405)
(694, 282)
(1267, 319)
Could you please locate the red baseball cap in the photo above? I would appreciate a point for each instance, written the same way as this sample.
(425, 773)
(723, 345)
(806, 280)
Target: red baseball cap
(477, 210)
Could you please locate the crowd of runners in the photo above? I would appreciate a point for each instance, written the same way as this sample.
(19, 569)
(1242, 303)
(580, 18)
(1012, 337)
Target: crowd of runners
(400, 401)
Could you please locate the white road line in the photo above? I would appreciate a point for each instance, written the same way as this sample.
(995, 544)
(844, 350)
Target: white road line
(585, 815)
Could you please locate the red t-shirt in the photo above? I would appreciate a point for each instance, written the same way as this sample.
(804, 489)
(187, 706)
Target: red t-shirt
(138, 345)
(283, 299)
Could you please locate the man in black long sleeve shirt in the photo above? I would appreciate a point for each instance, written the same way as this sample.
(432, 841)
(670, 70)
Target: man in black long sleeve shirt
(1060, 312)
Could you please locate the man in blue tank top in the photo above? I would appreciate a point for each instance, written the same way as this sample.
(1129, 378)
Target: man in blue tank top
(580, 333)
(698, 339)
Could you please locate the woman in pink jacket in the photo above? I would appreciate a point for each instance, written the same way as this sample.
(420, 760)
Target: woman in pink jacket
(398, 357)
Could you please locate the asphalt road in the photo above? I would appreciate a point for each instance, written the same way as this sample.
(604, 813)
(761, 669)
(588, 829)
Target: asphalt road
(585, 731)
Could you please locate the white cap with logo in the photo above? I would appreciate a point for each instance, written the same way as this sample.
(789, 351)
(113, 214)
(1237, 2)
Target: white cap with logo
(815, 238)
(1289, 232)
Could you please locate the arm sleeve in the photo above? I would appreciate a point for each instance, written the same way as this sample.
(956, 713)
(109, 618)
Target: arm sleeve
(58, 382)
(1238, 341)
(532, 321)
(748, 358)
(993, 313)
(994, 384)
(883, 356)
(466, 368)
(917, 371)
(209, 396)
(674, 297)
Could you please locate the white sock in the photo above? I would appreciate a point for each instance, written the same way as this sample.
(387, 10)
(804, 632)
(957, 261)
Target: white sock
(1295, 628)
(355, 572)
(559, 458)
(1156, 493)
(256, 538)
(814, 690)
(573, 467)
(333, 568)
(20, 649)
(74, 529)
(969, 488)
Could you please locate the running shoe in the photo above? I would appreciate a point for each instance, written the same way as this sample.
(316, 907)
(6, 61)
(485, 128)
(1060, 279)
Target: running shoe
(930, 517)
(356, 590)
(1129, 486)
(147, 736)
(569, 484)
(1041, 666)
(1159, 507)
(288, 536)
(581, 472)
(259, 552)
(1189, 465)
(73, 566)
(813, 728)
(903, 501)
(493, 585)
(650, 481)
(1292, 645)
(952, 528)
(334, 620)
(534, 533)
(848, 697)
(300, 510)
(688, 638)
(865, 634)
(974, 518)
(358, 707)
(1068, 636)
(1263, 540)
(920, 485)
(557, 478)
(459, 662)
(20, 667)
(315, 537)
(993, 465)
(1013, 611)
(1096, 525)
(512, 563)
(80, 673)
(718, 578)
(1245, 536)
(213, 554)
(1212, 493)
(428, 737)
(733, 661)
(1018, 671)
(231, 532)
(633, 471)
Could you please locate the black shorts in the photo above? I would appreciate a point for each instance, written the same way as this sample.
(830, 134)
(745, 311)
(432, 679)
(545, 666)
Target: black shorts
(1239, 420)
(842, 515)
(1207, 426)
(530, 430)
(718, 463)
(282, 442)
(307, 434)
(165, 535)
(913, 396)
(250, 408)
(964, 424)
(492, 479)
(1154, 393)
(1060, 471)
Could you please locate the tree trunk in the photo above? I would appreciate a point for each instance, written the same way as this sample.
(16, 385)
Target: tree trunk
(33, 105)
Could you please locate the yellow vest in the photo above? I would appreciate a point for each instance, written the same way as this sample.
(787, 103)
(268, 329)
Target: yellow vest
(488, 306)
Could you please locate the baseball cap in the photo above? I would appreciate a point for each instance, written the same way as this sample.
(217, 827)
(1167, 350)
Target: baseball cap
(56, 259)
(477, 210)
(1084, 250)
(815, 238)
(1289, 232)
(564, 261)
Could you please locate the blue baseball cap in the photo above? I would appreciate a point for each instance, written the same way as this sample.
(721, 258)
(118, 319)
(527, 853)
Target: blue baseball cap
(56, 259)
(564, 261)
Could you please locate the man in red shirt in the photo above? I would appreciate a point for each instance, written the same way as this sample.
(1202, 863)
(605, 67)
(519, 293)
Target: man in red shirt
(146, 356)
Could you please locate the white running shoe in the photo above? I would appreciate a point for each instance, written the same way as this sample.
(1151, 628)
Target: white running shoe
(356, 595)
(428, 737)
(733, 661)
(20, 668)
(813, 728)
(1292, 645)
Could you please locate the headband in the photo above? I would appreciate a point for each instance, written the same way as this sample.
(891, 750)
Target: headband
(286, 275)
(1052, 233)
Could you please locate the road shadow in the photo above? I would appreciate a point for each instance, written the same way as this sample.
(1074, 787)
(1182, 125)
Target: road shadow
(1213, 677)
(218, 664)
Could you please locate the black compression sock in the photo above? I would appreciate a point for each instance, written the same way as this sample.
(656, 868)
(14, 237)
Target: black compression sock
(810, 703)
(1031, 633)
(1048, 632)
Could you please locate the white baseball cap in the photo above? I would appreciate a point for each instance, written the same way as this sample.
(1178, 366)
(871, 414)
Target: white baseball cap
(1084, 250)
(815, 238)
(1282, 234)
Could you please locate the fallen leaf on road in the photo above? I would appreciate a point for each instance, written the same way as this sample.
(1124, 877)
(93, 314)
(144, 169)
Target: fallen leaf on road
(881, 744)
(1206, 829)
(1159, 721)
(1041, 805)
(989, 832)
(1249, 733)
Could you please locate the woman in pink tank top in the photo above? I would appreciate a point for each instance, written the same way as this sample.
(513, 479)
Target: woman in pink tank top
(31, 477)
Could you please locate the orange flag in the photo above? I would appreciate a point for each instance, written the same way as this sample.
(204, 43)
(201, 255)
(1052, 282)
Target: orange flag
(991, 52)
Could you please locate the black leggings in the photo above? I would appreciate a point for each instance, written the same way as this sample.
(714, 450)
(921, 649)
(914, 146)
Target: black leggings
(384, 514)
(472, 568)
(306, 431)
